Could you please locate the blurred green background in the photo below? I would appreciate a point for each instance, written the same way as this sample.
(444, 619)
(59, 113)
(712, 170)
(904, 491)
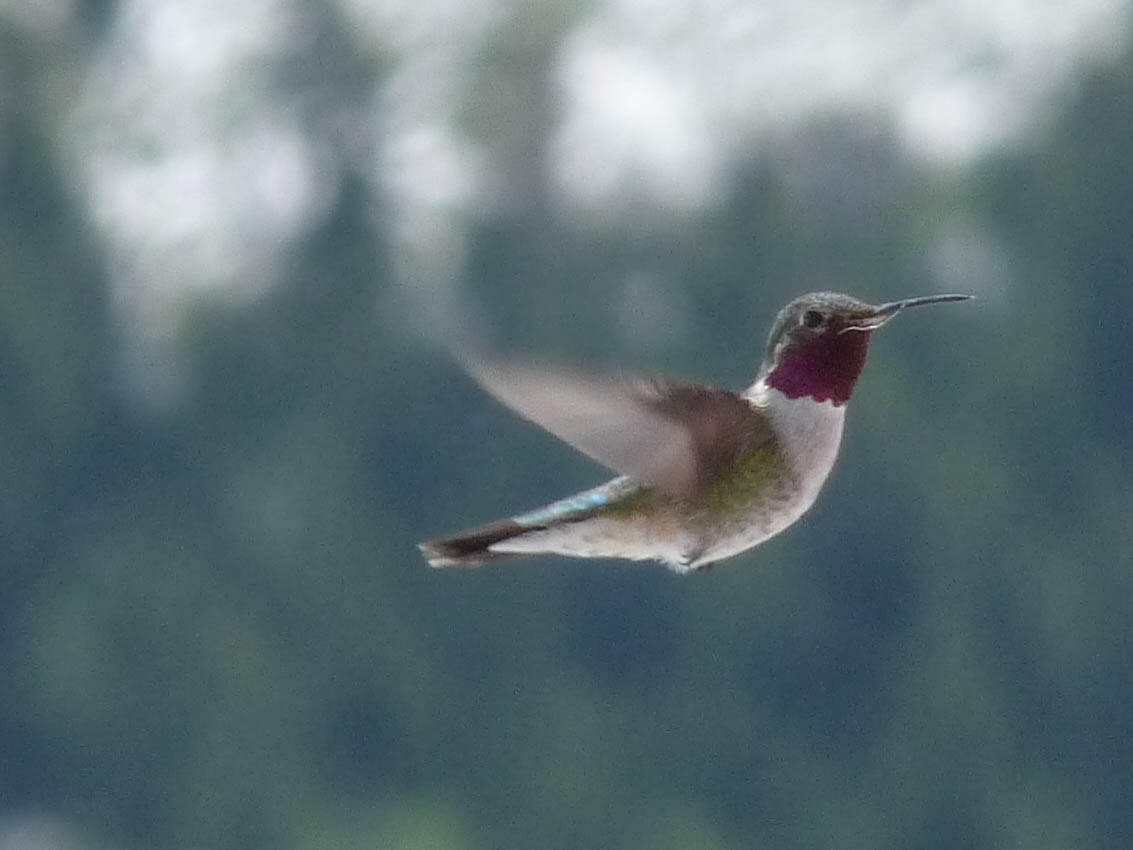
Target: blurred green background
(233, 242)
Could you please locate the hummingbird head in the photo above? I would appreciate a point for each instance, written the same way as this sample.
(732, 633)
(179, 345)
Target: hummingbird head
(819, 342)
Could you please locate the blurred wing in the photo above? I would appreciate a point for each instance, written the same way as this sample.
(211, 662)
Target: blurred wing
(673, 435)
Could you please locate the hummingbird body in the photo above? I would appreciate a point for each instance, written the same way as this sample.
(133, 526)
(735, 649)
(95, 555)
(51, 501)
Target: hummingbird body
(707, 473)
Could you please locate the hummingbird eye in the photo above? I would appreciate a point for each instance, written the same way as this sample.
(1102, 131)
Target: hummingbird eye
(813, 319)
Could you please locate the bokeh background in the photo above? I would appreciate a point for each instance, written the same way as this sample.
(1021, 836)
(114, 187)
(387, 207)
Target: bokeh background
(235, 239)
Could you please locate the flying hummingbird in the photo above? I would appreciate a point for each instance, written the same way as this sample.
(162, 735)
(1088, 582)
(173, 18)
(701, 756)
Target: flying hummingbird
(705, 473)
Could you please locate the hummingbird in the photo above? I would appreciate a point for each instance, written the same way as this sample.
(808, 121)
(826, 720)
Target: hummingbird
(704, 473)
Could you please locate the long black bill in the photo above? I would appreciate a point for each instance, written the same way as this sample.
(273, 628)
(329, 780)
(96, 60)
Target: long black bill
(884, 312)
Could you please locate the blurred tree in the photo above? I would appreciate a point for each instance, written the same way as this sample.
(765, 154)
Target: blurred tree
(217, 633)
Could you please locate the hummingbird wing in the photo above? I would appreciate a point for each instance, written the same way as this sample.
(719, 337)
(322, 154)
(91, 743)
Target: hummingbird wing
(671, 434)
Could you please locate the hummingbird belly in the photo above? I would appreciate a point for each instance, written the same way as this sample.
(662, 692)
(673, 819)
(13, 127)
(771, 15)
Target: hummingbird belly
(755, 499)
(774, 492)
(619, 519)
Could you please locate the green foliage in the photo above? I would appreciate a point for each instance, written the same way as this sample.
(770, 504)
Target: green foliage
(216, 631)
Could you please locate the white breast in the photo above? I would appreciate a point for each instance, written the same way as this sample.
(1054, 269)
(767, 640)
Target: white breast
(810, 431)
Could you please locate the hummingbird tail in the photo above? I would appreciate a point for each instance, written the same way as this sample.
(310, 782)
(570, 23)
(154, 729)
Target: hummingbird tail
(471, 548)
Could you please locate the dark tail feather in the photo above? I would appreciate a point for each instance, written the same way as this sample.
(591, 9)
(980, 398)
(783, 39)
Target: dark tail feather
(470, 548)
